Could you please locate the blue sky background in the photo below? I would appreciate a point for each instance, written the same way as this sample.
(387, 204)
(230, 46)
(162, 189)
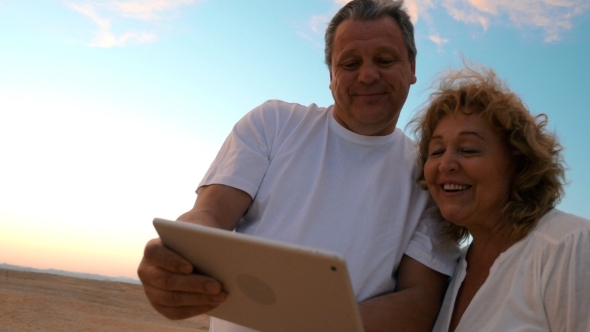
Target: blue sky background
(111, 111)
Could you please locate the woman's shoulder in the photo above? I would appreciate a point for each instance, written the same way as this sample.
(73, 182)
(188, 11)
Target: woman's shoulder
(557, 226)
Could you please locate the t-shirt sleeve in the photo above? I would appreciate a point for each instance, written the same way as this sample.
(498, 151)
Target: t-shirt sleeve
(243, 158)
(566, 277)
(427, 247)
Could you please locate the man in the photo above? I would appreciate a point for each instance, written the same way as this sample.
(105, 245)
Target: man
(340, 178)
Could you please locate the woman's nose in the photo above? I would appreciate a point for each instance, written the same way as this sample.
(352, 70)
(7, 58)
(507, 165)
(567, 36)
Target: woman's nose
(448, 162)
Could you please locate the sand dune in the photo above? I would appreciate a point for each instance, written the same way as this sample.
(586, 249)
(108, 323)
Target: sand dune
(43, 302)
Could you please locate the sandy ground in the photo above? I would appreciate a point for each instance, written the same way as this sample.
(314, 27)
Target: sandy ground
(43, 302)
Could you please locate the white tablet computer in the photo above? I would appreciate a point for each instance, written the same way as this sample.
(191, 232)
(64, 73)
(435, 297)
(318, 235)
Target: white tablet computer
(271, 286)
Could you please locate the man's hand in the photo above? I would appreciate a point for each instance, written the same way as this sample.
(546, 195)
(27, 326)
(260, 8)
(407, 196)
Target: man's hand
(167, 278)
(172, 288)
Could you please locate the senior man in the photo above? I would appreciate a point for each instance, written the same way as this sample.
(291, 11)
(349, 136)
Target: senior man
(340, 178)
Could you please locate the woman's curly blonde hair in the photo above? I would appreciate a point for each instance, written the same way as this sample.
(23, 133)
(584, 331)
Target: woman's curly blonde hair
(537, 183)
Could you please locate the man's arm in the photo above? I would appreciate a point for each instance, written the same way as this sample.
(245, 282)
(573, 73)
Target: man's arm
(168, 281)
(413, 306)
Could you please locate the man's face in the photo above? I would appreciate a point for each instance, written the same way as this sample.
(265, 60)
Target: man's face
(370, 75)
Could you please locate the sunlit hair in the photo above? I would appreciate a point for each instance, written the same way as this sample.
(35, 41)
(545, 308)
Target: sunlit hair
(537, 183)
(371, 10)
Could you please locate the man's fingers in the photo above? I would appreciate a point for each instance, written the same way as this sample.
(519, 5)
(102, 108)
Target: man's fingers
(156, 253)
(162, 268)
(193, 283)
(180, 305)
(172, 288)
(165, 298)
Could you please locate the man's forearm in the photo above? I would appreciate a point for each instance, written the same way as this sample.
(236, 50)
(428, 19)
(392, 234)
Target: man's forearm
(413, 306)
(406, 310)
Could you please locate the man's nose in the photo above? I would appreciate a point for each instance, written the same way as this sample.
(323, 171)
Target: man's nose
(368, 73)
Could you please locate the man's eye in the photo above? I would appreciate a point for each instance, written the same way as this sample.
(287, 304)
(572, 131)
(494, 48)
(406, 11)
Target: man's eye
(350, 65)
(385, 62)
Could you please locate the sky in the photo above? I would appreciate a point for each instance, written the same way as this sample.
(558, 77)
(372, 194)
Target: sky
(111, 111)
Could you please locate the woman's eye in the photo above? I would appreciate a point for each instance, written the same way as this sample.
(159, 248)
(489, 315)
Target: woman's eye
(435, 153)
(469, 151)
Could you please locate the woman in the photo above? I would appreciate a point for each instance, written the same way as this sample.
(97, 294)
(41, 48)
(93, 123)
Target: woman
(496, 175)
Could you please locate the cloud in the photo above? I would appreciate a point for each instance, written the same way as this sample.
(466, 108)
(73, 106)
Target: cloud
(465, 12)
(435, 38)
(146, 10)
(313, 30)
(553, 17)
(418, 8)
(318, 23)
(414, 7)
(111, 15)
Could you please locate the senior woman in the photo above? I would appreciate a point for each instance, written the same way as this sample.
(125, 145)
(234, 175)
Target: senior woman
(496, 174)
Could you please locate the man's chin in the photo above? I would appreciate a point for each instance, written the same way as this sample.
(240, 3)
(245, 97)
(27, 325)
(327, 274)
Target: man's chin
(370, 116)
(374, 127)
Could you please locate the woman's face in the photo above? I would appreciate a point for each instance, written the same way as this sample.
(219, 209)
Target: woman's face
(468, 170)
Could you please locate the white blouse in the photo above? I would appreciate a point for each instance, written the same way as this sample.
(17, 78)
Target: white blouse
(541, 283)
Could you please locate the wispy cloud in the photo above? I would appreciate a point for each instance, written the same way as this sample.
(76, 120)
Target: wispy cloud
(435, 38)
(147, 9)
(552, 17)
(419, 8)
(313, 29)
(318, 23)
(467, 12)
(109, 16)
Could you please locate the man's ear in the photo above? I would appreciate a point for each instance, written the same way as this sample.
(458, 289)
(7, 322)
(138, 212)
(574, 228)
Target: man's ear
(413, 67)
(330, 84)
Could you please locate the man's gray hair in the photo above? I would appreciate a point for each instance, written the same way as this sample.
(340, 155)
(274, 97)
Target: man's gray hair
(371, 10)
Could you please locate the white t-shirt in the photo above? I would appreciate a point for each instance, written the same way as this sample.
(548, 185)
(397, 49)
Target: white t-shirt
(318, 184)
(541, 283)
